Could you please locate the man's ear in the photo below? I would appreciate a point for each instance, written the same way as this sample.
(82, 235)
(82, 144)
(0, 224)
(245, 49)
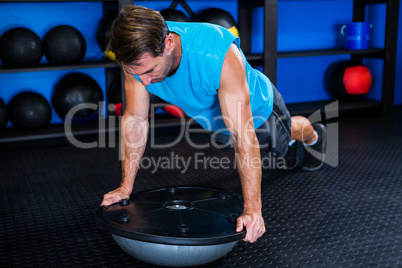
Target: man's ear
(169, 42)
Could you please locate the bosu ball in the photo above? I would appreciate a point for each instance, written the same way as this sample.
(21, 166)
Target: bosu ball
(175, 226)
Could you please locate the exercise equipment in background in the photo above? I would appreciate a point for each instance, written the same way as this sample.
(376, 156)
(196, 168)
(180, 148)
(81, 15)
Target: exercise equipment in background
(103, 34)
(357, 35)
(157, 103)
(75, 89)
(171, 14)
(220, 17)
(64, 45)
(175, 226)
(347, 80)
(29, 110)
(20, 47)
(3, 114)
(174, 111)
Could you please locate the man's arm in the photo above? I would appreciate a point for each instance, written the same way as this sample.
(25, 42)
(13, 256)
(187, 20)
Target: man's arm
(234, 98)
(134, 132)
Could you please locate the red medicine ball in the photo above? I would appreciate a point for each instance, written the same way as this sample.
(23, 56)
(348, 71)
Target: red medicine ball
(348, 80)
(175, 111)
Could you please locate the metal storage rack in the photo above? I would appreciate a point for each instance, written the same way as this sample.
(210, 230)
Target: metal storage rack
(269, 58)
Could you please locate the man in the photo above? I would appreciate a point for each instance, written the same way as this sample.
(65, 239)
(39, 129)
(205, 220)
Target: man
(201, 69)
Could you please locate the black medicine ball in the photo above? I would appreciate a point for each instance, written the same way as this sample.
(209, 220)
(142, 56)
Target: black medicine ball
(347, 80)
(75, 89)
(220, 17)
(103, 32)
(171, 14)
(20, 47)
(29, 110)
(64, 45)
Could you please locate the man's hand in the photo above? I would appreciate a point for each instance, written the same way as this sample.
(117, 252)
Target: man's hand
(115, 196)
(254, 224)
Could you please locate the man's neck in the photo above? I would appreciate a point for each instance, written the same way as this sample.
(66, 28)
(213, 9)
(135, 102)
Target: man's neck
(176, 52)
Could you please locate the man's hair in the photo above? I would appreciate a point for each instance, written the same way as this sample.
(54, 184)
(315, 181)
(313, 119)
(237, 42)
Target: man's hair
(135, 31)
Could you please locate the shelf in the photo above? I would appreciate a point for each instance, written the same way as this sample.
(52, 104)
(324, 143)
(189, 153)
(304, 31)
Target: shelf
(260, 3)
(257, 59)
(52, 131)
(49, 67)
(166, 125)
(248, 4)
(372, 52)
(374, 1)
(346, 108)
(163, 124)
(48, 1)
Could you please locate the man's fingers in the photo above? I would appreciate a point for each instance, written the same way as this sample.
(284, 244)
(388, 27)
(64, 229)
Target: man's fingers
(255, 227)
(241, 223)
(258, 229)
(108, 202)
(250, 237)
(110, 198)
(239, 227)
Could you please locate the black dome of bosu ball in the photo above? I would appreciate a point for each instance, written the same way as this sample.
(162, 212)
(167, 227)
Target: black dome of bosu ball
(103, 33)
(348, 80)
(75, 89)
(220, 17)
(64, 45)
(175, 226)
(171, 14)
(3, 114)
(20, 47)
(29, 110)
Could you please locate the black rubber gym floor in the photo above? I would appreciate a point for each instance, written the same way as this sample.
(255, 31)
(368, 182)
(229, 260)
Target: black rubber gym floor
(344, 216)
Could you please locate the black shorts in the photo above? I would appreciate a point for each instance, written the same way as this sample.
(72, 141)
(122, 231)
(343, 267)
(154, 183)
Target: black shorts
(273, 136)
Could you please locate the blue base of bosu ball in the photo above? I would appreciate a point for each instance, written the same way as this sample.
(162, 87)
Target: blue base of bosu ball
(175, 226)
(172, 255)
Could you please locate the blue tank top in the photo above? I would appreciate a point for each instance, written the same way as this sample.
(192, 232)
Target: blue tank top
(194, 86)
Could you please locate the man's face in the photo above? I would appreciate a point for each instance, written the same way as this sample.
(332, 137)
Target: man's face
(151, 69)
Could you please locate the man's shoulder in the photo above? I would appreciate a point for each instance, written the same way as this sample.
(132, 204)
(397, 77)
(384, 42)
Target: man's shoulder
(191, 25)
(199, 30)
